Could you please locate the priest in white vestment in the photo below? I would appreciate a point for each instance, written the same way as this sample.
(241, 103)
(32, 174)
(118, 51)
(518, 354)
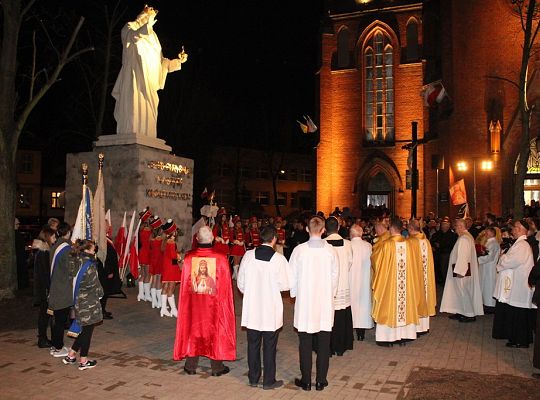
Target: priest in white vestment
(360, 282)
(143, 73)
(313, 279)
(487, 266)
(342, 331)
(398, 296)
(512, 316)
(426, 267)
(261, 278)
(462, 296)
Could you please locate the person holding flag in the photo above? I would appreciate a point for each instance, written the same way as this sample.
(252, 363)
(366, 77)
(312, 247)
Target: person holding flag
(87, 292)
(145, 232)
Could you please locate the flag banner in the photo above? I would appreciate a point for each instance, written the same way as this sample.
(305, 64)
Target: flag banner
(83, 224)
(433, 94)
(120, 241)
(309, 126)
(204, 193)
(458, 194)
(100, 225)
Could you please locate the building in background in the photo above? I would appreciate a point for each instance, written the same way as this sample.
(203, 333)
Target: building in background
(440, 63)
(243, 180)
(37, 198)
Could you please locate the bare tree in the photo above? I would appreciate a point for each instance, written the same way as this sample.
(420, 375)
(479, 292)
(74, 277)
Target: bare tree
(14, 112)
(528, 13)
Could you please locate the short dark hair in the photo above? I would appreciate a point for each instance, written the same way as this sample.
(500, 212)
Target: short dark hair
(395, 222)
(331, 224)
(524, 223)
(63, 229)
(268, 232)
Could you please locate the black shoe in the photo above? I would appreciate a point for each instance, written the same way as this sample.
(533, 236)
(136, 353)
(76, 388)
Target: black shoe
(108, 313)
(467, 319)
(274, 385)
(300, 384)
(339, 353)
(360, 334)
(106, 316)
(384, 344)
(189, 371)
(517, 346)
(253, 384)
(224, 371)
(320, 385)
(455, 316)
(44, 343)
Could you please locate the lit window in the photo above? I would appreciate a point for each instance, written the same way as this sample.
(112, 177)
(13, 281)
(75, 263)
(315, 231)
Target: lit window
(262, 198)
(379, 89)
(55, 200)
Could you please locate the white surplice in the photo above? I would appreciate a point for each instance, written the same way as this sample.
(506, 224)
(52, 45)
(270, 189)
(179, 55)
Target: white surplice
(313, 279)
(361, 284)
(487, 266)
(262, 282)
(345, 257)
(519, 259)
(463, 295)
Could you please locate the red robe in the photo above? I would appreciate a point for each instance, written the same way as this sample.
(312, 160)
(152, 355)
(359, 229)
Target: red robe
(144, 249)
(206, 324)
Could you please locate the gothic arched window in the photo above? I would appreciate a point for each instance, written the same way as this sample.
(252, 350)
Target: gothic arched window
(343, 49)
(379, 89)
(413, 51)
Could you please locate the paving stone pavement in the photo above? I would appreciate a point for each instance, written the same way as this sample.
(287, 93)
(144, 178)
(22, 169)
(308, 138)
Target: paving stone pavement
(134, 353)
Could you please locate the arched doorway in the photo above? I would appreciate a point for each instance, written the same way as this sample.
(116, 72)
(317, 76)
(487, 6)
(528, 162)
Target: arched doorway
(378, 183)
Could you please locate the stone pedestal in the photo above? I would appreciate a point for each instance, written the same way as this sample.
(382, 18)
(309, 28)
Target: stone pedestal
(128, 138)
(135, 176)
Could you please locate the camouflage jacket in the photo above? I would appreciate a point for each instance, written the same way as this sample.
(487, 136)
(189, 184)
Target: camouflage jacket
(88, 307)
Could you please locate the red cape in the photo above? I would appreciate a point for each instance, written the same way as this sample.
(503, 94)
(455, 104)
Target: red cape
(206, 324)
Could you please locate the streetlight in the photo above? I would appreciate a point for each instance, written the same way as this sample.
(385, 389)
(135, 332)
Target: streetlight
(485, 165)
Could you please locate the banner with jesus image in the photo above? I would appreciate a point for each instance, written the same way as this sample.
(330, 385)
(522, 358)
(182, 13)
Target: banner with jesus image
(203, 275)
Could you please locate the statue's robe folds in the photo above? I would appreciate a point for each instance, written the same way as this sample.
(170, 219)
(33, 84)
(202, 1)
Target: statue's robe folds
(144, 71)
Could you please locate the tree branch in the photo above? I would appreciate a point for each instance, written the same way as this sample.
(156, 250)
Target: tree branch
(26, 8)
(500, 78)
(64, 59)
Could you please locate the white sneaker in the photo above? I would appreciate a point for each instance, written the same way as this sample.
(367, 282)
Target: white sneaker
(60, 353)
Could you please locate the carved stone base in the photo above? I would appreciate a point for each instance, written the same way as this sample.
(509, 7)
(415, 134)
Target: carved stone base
(130, 138)
(135, 176)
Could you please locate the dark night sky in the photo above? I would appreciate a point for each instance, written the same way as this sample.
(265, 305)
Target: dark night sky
(250, 74)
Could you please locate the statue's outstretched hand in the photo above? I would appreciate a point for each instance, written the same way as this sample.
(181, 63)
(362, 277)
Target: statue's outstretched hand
(182, 57)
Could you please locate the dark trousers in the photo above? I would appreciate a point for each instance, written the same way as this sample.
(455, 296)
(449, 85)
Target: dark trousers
(103, 302)
(61, 318)
(269, 342)
(44, 320)
(193, 362)
(82, 342)
(306, 356)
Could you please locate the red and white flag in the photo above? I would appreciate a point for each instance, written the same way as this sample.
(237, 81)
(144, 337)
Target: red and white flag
(433, 94)
(120, 241)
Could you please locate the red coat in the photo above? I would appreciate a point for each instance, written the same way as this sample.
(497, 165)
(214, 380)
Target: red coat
(156, 256)
(253, 238)
(144, 250)
(223, 232)
(206, 324)
(281, 236)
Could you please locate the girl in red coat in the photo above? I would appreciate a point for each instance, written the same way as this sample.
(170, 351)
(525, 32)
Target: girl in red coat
(156, 260)
(170, 274)
(221, 232)
(144, 255)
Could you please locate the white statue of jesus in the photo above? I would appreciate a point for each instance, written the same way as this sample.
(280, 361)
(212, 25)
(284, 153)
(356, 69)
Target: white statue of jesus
(143, 73)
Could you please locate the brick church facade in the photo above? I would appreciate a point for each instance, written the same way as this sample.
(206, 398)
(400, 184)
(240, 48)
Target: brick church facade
(377, 57)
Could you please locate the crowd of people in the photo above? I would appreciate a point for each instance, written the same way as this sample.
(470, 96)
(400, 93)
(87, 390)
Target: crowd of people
(345, 275)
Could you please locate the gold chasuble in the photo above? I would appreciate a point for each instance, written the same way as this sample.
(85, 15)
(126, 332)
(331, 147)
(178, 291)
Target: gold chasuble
(397, 292)
(424, 254)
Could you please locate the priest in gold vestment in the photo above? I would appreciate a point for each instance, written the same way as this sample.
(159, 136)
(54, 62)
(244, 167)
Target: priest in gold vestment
(424, 256)
(398, 297)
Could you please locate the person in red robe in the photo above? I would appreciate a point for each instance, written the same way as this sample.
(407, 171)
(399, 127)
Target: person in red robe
(238, 249)
(221, 232)
(252, 235)
(145, 232)
(206, 324)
